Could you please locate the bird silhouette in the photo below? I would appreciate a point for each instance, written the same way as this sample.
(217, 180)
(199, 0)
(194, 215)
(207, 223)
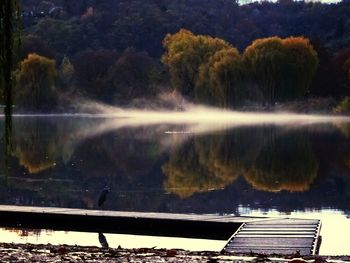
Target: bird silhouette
(103, 240)
(103, 196)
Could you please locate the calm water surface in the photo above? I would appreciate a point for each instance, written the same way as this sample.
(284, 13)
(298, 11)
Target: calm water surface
(290, 169)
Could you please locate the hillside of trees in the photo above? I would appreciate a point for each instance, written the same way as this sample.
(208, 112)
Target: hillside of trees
(115, 50)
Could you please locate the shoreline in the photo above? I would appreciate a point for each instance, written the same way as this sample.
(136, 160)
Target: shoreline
(316, 106)
(11, 252)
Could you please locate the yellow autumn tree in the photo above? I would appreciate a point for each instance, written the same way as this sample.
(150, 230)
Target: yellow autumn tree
(263, 59)
(36, 83)
(184, 54)
(220, 79)
(283, 68)
(300, 64)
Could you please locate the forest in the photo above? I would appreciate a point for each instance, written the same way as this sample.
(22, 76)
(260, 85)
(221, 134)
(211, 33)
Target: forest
(220, 53)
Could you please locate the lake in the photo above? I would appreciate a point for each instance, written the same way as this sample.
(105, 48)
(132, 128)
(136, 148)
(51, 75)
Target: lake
(269, 165)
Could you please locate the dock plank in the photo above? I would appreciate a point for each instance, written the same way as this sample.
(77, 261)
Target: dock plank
(287, 251)
(148, 215)
(284, 223)
(257, 235)
(278, 229)
(270, 236)
(273, 241)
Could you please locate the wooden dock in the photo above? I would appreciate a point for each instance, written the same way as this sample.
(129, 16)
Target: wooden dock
(212, 226)
(251, 234)
(276, 236)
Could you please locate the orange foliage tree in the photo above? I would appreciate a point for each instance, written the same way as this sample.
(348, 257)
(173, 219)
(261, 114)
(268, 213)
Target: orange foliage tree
(220, 78)
(283, 68)
(187, 54)
(36, 83)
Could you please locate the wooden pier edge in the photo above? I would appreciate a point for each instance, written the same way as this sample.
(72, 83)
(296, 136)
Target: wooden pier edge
(286, 236)
(235, 233)
(260, 235)
(318, 240)
(214, 227)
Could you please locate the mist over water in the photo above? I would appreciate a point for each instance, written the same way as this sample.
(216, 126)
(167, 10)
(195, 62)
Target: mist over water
(178, 115)
(196, 118)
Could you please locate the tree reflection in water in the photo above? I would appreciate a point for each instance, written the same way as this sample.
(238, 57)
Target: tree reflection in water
(285, 162)
(268, 158)
(209, 162)
(67, 161)
(36, 145)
